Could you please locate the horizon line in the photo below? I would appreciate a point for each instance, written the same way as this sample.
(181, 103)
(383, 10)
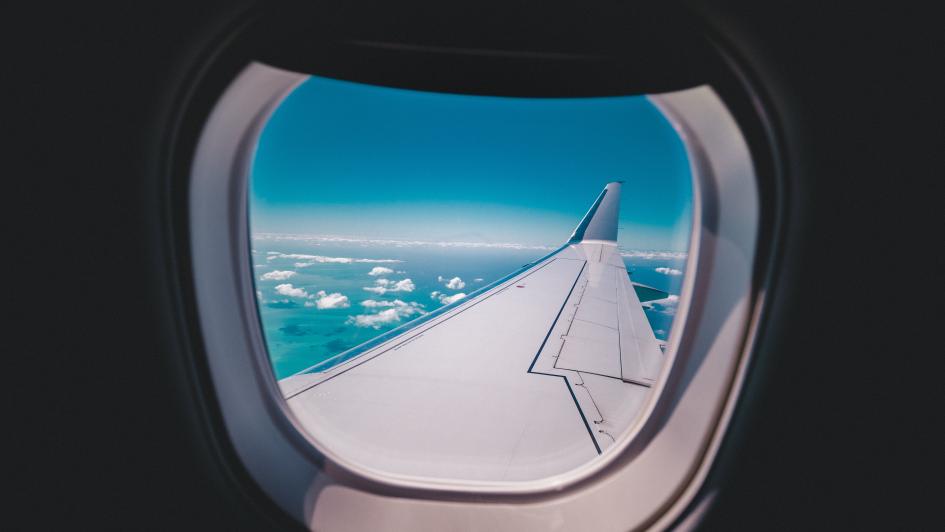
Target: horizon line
(403, 242)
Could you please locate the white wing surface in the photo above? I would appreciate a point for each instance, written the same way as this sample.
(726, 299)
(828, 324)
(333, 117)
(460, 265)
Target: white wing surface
(529, 377)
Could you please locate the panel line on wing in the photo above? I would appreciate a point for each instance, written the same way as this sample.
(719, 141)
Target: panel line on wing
(588, 372)
(577, 404)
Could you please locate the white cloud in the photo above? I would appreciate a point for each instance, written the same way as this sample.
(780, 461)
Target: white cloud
(649, 254)
(668, 271)
(445, 299)
(288, 290)
(333, 300)
(455, 283)
(375, 320)
(671, 299)
(321, 259)
(667, 305)
(318, 239)
(321, 299)
(453, 298)
(277, 275)
(380, 270)
(385, 285)
(397, 310)
(477, 280)
(372, 303)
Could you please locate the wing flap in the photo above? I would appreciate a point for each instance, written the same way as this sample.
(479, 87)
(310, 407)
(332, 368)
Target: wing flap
(640, 355)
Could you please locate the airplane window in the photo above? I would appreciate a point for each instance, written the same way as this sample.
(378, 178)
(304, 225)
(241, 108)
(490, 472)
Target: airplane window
(467, 288)
(408, 298)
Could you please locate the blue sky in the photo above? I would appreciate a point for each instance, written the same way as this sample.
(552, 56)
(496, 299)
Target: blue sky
(348, 159)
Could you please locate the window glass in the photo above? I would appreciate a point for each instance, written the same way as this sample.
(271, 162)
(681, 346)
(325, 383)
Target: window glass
(403, 241)
(372, 206)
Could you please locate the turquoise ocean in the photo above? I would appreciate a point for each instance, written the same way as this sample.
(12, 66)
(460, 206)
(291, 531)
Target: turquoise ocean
(318, 297)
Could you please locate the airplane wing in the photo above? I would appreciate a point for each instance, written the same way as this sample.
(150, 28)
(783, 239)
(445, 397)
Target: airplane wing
(529, 377)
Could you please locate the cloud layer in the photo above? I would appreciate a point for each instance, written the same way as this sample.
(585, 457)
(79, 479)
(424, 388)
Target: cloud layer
(394, 311)
(445, 299)
(318, 239)
(453, 284)
(648, 254)
(287, 289)
(383, 286)
(666, 306)
(277, 275)
(321, 259)
(372, 303)
(321, 299)
(668, 271)
(333, 300)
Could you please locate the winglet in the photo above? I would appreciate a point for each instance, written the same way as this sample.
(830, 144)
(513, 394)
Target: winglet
(600, 222)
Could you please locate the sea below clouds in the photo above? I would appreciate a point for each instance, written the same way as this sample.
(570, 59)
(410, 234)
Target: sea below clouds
(320, 296)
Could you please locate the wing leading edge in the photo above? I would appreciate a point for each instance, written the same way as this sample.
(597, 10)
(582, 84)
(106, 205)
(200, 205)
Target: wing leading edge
(466, 394)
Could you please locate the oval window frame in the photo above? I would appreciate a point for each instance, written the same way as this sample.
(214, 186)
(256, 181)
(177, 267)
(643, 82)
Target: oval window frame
(281, 460)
